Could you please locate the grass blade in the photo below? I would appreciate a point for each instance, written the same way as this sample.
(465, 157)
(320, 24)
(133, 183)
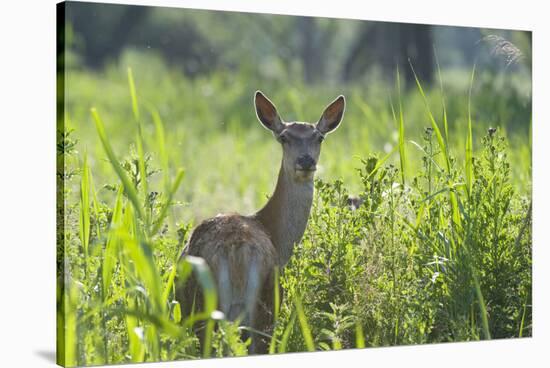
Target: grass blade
(286, 333)
(128, 186)
(276, 294)
(139, 141)
(70, 343)
(482, 308)
(133, 96)
(435, 127)
(381, 162)
(184, 273)
(401, 125)
(168, 202)
(469, 144)
(359, 336)
(521, 326)
(136, 344)
(161, 145)
(306, 331)
(111, 247)
(205, 279)
(84, 220)
(276, 307)
(445, 125)
(443, 148)
(95, 204)
(142, 256)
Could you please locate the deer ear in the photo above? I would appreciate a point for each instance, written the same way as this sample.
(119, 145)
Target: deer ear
(332, 116)
(267, 113)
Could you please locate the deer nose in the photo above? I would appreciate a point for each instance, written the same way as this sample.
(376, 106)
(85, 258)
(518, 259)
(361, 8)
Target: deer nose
(306, 163)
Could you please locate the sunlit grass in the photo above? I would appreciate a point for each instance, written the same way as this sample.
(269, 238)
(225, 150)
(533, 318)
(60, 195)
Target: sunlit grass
(414, 264)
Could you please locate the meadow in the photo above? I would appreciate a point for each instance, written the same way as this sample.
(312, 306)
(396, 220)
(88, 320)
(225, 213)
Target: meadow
(438, 251)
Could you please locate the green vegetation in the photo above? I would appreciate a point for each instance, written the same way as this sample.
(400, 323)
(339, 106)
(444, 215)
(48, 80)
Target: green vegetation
(439, 250)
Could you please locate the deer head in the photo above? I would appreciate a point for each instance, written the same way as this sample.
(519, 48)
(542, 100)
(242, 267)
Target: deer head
(301, 142)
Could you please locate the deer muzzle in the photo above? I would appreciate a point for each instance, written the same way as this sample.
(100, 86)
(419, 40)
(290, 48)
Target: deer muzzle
(305, 164)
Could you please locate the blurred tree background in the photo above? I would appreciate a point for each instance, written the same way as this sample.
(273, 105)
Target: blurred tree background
(319, 50)
(200, 69)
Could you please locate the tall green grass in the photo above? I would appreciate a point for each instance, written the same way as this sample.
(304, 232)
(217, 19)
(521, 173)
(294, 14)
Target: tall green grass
(439, 250)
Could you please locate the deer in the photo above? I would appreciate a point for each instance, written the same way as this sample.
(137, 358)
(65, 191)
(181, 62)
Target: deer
(243, 251)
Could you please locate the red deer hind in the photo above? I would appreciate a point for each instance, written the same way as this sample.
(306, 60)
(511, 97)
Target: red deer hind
(243, 251)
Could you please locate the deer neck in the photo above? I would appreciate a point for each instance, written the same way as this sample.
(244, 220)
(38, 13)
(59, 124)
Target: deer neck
(286, 214)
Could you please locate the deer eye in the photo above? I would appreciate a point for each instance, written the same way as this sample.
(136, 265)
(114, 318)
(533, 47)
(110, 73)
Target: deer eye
(321, 138)
(283, 139)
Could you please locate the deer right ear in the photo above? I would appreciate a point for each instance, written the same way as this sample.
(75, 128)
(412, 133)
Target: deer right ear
(267, 113)
(332, 116)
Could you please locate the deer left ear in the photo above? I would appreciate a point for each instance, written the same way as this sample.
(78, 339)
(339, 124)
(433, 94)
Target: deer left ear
(332, 116)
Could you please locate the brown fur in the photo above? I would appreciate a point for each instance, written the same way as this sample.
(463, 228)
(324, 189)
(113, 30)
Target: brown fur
(237, 239)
